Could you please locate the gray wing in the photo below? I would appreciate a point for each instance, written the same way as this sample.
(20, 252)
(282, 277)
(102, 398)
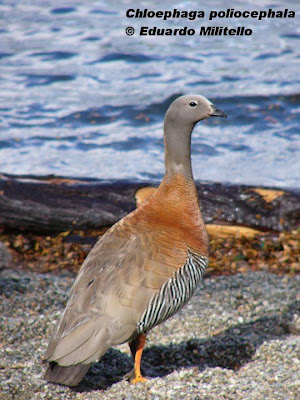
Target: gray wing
(106, 300)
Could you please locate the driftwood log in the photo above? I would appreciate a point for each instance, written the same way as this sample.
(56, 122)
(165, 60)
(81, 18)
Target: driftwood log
(49, 205)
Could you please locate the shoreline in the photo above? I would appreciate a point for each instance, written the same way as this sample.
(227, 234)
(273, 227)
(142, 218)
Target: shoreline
(54, 205)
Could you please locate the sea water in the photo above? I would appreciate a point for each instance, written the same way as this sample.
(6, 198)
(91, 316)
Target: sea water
(80, 98)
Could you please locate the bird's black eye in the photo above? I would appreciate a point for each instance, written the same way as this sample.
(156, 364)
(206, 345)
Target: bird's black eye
(193, 104)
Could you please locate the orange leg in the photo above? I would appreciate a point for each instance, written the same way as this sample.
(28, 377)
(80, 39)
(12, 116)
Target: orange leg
(137, 347)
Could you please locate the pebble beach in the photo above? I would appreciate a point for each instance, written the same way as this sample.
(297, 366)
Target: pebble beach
(236, 339)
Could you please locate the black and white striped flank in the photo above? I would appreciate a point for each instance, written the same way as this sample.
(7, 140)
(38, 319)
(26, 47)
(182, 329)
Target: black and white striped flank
(174, 294)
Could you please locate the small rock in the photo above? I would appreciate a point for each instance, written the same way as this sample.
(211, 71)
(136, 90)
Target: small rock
(5, 256)
(294, 326)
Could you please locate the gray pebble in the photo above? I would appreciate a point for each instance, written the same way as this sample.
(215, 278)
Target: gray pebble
(5, 256)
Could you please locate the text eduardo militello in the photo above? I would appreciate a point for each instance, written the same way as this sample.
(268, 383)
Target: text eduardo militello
(230, 13)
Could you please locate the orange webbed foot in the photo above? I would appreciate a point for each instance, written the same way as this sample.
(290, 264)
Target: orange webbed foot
(138, 379)
(136, 347)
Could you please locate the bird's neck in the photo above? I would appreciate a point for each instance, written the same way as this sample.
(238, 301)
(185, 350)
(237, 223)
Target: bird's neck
(177, 139)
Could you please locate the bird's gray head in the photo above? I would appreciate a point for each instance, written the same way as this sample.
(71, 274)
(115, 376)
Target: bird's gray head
(191, 109)
(180, 120)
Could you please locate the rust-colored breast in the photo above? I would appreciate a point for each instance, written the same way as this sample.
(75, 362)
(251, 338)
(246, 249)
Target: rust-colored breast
(174, 213)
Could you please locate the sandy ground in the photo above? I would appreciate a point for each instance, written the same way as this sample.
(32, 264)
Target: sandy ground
(236, 339)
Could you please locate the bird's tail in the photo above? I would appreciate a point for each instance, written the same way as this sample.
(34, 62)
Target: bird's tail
(69, 376)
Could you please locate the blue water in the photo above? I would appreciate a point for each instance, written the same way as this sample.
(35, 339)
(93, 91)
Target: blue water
(80, 98)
